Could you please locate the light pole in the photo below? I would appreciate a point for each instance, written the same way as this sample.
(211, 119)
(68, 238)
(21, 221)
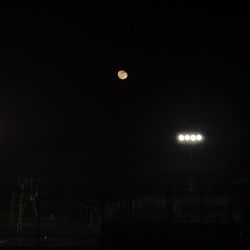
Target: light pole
(191, 139)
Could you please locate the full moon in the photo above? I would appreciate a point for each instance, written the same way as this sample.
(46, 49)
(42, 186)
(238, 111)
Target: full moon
(122, 74)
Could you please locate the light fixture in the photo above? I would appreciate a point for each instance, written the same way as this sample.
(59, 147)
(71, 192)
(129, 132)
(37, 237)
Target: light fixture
(181, 137)
(199, 137)
(190, 138)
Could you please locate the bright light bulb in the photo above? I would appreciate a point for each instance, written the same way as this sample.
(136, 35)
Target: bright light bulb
(199, 137)
(181, 137)
(193, 137)
(187, 137)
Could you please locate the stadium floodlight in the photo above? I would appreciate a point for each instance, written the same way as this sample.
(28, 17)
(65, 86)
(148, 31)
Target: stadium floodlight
(190, 138)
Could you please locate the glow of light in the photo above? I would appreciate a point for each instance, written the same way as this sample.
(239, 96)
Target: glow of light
(122, 74)
(193, 138)
(181, 137)
(190, 138)
(199, 137)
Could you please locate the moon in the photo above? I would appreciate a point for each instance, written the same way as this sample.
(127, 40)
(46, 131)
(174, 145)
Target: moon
(122, 74)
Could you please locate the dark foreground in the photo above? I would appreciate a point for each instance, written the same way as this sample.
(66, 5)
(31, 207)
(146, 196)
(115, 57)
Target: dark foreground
(202, 236)
(153, 236)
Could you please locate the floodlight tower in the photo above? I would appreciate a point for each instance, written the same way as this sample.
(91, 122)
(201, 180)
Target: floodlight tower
(190, 139)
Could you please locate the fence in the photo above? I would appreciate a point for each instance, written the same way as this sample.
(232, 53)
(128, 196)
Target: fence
(73, 212)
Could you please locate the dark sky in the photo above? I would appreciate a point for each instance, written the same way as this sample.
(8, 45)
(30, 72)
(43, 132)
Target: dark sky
(63, 110)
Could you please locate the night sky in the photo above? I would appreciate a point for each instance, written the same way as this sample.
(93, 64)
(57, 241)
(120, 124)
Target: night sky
(64, 111)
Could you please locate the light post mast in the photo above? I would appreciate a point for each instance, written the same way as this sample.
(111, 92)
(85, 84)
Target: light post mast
(190, 140)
